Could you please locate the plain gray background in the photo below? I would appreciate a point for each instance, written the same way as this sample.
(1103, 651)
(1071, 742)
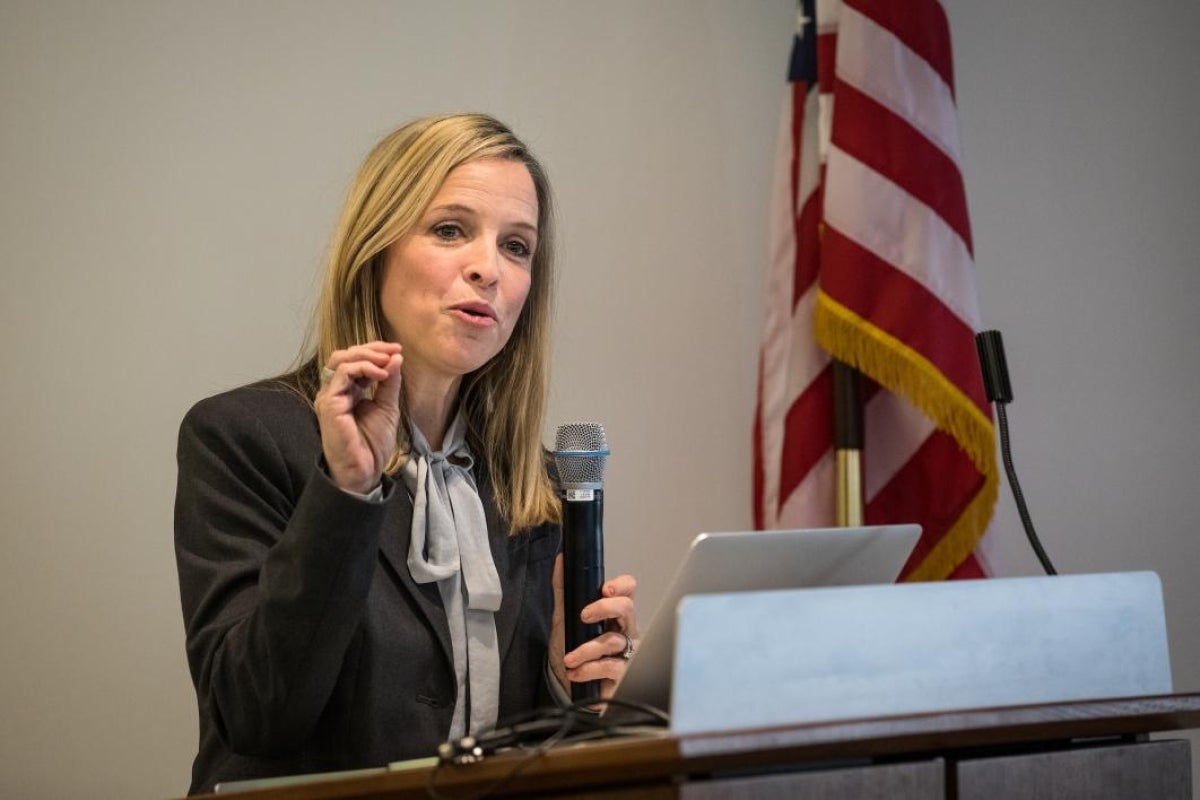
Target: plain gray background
(170, 172)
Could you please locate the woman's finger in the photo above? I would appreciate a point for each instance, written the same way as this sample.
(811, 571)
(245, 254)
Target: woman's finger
(350, 378)
(610, 644)
(349, 371)
(375, 352)
(387, 394)
(605, 669)
(619, 611)
(622, 585)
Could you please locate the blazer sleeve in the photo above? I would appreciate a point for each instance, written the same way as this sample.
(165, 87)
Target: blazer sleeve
(275, 564)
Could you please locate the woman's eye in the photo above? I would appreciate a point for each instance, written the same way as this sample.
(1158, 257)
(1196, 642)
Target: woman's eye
(518, 248)
(447, 231)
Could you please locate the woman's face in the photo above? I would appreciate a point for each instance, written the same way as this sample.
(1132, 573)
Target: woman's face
(454, 286)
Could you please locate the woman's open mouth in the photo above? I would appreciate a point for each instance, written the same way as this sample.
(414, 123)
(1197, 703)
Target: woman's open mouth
(475, 313)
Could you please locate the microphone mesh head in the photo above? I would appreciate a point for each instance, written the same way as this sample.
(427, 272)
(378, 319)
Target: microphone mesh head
(580, 453)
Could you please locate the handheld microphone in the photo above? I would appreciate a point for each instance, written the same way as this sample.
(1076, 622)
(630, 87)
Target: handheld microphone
(580, 453)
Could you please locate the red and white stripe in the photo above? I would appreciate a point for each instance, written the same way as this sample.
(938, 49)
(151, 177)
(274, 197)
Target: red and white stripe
(869, 209)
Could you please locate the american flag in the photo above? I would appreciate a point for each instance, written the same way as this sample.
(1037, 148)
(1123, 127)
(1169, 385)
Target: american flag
(872, 264)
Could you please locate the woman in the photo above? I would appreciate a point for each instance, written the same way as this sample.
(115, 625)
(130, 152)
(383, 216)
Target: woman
(367, 546)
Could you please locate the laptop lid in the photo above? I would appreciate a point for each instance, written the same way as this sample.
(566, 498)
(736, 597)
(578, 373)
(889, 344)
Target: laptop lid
(758, 560)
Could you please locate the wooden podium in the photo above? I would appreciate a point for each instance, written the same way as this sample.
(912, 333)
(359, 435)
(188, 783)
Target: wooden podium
(1085, 749)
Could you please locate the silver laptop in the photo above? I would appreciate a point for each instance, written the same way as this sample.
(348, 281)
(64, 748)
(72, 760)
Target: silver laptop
(756, 560)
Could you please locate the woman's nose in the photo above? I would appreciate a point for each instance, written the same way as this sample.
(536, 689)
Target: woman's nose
(483, 265)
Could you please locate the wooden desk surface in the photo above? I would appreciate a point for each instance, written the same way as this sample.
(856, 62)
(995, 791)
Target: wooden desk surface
(664, 760)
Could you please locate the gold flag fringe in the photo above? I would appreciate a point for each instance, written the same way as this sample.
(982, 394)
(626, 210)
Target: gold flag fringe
(903, 371)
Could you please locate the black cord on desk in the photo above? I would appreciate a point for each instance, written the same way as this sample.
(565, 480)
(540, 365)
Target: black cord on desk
(549, 727)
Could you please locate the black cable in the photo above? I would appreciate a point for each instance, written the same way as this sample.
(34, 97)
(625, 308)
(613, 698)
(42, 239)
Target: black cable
(1018, 495)
(556, 725)
(996, 386)
(433, 792)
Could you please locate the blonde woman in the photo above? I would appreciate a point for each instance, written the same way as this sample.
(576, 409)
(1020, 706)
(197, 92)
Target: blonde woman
(367, 546)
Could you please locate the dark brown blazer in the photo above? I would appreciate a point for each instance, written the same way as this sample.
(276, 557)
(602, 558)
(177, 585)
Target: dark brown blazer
(310, 646)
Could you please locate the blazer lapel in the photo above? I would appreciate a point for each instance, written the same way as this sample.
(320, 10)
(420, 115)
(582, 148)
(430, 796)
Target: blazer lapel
(508, 552)
(393, 545)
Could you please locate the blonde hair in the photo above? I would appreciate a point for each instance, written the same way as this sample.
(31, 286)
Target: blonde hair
(504, 400)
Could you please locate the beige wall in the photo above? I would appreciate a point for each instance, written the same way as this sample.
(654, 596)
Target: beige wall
(170, 171)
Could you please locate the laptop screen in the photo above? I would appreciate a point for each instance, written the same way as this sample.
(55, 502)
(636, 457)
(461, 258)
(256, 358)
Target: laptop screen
(754, 561)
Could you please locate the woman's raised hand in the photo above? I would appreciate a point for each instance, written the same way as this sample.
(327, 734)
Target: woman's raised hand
(358, 409)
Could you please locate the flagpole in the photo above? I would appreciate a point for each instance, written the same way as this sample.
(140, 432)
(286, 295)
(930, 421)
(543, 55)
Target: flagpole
(848, 443)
